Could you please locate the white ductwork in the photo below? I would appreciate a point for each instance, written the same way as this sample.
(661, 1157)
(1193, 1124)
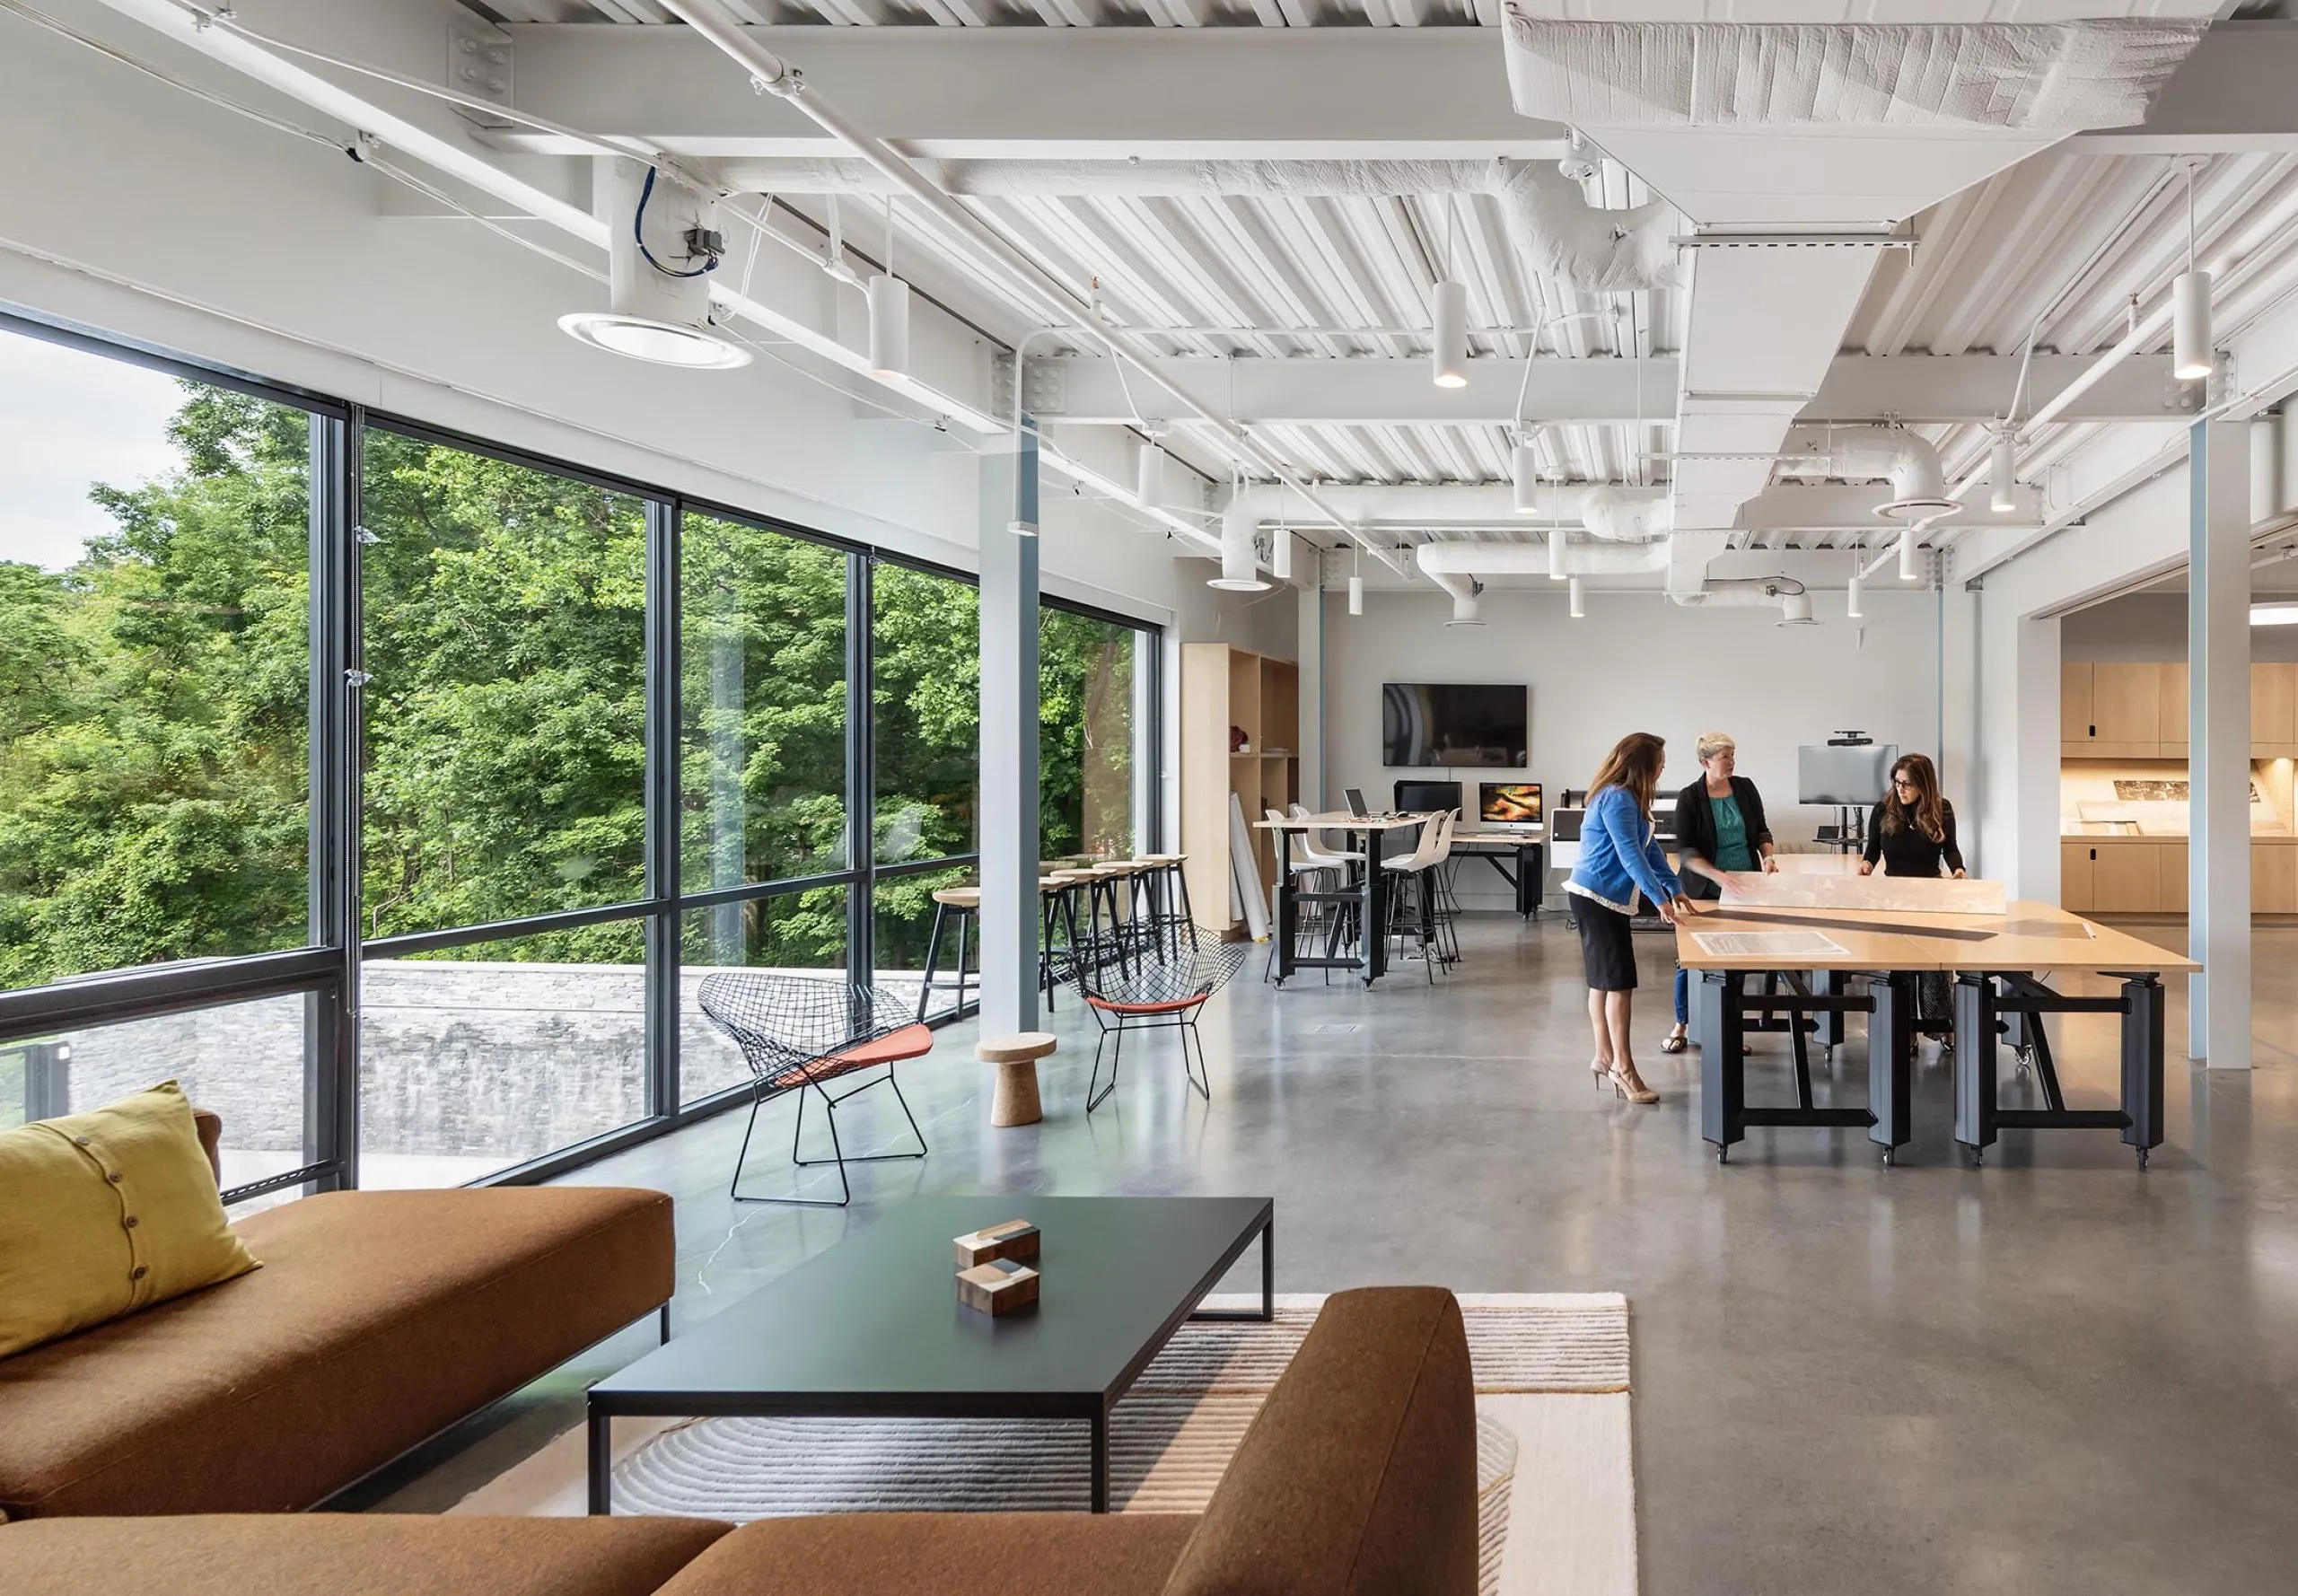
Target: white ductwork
(1550, 219)
(1784, 593)
(2058, 77)
(1907, 459)
(1450, 564)
(1412, 506)
(1607, 515)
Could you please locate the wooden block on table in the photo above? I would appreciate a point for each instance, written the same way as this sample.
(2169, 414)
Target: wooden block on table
(1016, 1237)
(999, 1287)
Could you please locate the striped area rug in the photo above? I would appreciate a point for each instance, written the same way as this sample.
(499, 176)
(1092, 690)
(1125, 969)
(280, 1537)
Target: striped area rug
(1555, 1470)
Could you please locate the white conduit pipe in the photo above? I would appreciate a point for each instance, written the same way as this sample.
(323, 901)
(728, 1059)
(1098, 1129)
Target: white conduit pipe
(715, 22)
(1439, 561)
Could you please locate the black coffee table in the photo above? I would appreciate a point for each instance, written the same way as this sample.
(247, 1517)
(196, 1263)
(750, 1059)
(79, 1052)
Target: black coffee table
(873, 1326)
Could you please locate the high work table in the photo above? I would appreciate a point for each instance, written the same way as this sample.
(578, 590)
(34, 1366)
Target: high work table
(1996, 960)
(1525, 847)
(1369, 895)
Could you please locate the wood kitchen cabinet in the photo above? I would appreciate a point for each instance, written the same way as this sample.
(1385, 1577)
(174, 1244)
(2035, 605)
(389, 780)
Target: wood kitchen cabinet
(2273, 879)
(2274, 710)
(2076, 871)
(2171, 692)
(2172, 876)
(2127, 879)
(2076, 730)
(2126, 710)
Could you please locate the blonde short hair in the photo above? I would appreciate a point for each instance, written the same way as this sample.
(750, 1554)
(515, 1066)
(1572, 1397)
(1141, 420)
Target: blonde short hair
(1711, 743)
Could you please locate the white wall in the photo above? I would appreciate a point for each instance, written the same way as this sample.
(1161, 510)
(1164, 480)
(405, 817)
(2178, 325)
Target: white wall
(1637, 664)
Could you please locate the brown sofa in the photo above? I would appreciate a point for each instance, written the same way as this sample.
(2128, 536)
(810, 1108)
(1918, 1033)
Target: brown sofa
(378, 1318)
(1358, 1478)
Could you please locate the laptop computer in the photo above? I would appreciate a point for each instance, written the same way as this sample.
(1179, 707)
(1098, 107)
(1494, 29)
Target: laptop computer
(1356, 796)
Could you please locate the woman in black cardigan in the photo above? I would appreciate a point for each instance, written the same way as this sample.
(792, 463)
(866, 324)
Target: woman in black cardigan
(1912, 832)
(1720, 828)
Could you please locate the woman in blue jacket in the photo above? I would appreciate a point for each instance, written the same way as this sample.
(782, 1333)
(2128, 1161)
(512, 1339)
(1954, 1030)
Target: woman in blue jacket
(1620, 865)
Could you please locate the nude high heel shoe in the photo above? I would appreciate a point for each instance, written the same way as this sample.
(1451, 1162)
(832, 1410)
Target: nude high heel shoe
(1628, 1084)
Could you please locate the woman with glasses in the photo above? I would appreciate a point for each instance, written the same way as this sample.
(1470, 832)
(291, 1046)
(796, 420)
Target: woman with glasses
(1912, 832)
(1620, 865)
(1720, 828)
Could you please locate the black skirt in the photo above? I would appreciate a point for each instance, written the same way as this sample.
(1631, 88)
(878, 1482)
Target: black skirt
(1607, 945)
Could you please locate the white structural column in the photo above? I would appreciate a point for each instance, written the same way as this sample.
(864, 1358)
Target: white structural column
(1008, 802)
(2218, 759)
(1311, 609)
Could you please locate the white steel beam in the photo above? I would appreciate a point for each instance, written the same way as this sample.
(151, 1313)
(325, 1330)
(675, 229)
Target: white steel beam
(1070, 93)
(1378, 390)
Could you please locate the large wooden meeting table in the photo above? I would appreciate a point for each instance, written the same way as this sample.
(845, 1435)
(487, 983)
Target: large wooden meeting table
(1996, 962)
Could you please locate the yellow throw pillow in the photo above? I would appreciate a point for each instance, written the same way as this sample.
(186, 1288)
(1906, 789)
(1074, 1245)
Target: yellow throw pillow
(105, 1213)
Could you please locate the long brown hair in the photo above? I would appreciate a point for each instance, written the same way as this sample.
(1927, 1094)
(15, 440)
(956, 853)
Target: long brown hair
(1635, 763)
(1929, 808)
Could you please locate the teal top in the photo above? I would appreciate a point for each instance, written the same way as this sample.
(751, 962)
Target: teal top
(1732, 851)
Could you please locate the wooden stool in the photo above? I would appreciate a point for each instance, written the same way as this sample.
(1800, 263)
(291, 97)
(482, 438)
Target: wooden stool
(963, 904)
(1016, 1058)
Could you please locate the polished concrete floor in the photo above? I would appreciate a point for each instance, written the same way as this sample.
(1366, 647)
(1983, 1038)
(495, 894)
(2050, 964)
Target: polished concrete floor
(2057, 1373)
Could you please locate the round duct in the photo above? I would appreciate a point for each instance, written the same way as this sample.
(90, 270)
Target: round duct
(658, 301)
(1918, 486)
(1240, 554)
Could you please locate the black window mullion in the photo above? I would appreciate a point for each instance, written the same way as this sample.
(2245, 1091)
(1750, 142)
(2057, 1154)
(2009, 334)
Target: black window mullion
(860, 772)
(331, 1089)
(664, 522)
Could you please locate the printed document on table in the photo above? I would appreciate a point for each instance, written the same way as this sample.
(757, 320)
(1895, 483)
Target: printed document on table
(1759, 945)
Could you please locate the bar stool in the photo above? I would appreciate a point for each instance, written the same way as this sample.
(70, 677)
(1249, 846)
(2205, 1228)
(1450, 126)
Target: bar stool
(963, 903)
(1168, 885)
(1016, 1058)
(1102, 889)
(1060, 906)
(1053, 909)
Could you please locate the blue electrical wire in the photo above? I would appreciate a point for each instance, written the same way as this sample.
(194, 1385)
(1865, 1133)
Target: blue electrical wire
(638, 233)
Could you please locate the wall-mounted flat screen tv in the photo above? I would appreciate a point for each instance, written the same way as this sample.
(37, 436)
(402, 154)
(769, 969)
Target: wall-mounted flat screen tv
(1455, 724)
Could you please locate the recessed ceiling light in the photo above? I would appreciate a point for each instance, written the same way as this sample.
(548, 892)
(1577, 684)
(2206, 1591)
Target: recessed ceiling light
(663, 342)
(2280, 612)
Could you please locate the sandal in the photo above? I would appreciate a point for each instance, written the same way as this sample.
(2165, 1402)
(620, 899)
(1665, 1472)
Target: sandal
(1675, 1041)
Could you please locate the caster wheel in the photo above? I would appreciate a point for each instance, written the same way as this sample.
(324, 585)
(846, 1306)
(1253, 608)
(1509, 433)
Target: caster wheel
(1890, 1158)
(1978, 1159)
(2142, 1158)
(1723, 1155)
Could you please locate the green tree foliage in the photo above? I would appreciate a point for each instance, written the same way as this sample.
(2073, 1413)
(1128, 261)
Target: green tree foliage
(154, 772)
(154, 776)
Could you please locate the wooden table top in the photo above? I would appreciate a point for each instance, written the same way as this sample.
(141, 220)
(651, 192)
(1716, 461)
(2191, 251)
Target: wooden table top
(2036, 936)
(1342, 821)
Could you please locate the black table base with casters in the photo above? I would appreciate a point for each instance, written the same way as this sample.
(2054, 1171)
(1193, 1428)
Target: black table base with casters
(1368, 896)
(1525, 878)
(1989, 1003)
(1724, 1005)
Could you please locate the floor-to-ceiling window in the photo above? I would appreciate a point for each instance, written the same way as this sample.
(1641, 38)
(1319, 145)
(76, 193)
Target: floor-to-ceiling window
(311, 714)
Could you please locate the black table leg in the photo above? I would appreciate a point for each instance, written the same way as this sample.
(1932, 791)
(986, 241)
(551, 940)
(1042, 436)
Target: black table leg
(1722, 1069)
(1101, 1461)
(1287, 909)
(1375, 931)
(1975, 1063)
(602, 1461)
(1890, 1045)
(1831, 983)
(2142, 1063)
(1268, 1262)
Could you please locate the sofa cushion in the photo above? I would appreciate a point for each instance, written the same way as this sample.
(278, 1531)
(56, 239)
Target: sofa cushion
(104, 1213)
(347, 1554)
(1357, 1477)
(378, 1318)
(948, 1554)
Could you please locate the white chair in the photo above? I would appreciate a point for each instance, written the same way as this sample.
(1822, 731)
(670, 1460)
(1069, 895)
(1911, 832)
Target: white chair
(1417, 870)
(1311, 848)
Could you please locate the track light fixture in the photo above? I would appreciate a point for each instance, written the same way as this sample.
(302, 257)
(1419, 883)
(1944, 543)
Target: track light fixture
(2190, 355)
(1579, 608)
(2003, 488)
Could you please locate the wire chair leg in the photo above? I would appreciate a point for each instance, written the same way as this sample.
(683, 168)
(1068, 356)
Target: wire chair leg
(1096, 1093)
(1203, 1077)
(796, 1125)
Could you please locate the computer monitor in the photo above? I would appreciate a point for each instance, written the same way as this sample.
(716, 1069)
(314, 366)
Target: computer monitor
(1356, 796)
(1427, 797)
(1508, 803)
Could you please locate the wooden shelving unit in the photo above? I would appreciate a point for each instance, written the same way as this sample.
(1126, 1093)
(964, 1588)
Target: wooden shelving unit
(1225, 687)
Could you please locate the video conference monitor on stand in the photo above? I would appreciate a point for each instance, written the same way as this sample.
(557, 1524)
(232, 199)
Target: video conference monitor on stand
(1850, 777)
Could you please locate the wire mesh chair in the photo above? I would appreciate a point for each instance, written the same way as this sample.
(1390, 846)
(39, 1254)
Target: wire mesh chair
(1151, 994)
(799, 1033)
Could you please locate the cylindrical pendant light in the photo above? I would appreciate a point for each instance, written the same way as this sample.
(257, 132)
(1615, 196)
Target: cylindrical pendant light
(1356, 595)
(2190, 325)
(1239, 552)
(1908, 572)
(1524, 478)
(889, 326)
(2003, 493)
(1280, 554)
(1149, 476)
(1555, 546)
(1451, 317)
(1858, 584)
(1579, 609)
(2190, 307)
